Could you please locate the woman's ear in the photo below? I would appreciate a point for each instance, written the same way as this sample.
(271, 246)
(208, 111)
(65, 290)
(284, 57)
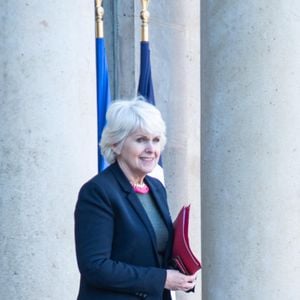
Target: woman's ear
(116, 148)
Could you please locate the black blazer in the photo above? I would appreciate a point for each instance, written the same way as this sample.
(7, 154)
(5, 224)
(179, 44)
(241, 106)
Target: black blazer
(115, 241)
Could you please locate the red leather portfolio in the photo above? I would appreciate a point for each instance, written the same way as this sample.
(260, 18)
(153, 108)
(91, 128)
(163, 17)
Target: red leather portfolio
(182, 256)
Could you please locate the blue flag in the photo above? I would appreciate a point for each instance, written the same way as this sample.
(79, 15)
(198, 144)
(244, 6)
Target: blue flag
(145, 89)
(103, 95)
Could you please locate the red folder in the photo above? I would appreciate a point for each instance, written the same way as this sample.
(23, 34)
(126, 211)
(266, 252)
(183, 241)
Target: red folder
(182, 256)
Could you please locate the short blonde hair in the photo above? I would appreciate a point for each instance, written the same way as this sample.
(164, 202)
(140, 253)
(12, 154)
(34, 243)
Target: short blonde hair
(125, 117)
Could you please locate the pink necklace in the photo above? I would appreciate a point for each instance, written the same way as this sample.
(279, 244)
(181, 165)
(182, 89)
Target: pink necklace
(140, 188)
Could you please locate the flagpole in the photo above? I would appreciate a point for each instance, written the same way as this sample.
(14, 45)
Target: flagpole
(145, 87)
(103, 89)
(99, 19)
(145, 15)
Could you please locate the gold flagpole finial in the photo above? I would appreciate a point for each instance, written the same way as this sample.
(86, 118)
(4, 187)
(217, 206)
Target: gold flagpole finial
(145, 15)
(99, 19)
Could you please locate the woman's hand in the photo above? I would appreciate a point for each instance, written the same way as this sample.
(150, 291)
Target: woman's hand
(177, 281)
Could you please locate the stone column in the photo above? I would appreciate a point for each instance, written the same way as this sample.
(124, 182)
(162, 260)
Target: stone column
(174, 30)
(47, 142)
(250, 150)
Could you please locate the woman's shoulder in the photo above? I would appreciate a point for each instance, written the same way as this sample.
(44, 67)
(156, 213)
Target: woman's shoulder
(103, 180)
(156, 183)
(97, 191)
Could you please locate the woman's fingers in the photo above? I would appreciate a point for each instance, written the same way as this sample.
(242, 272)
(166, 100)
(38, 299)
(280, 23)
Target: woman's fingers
(179, 282)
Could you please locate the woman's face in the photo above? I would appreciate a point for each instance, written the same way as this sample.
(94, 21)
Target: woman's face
(139, 155)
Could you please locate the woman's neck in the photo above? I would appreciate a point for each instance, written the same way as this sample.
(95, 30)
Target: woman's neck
(133, 178)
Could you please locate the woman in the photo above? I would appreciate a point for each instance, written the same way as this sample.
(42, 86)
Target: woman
(123, 228)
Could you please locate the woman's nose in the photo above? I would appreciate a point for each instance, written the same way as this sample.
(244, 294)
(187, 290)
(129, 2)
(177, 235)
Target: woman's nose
(149, 147)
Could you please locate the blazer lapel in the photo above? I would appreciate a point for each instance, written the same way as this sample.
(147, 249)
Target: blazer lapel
(136, 204)
(161, 202)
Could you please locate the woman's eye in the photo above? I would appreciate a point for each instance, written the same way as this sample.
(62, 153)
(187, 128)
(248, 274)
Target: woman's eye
(156, 140)
(140, 140)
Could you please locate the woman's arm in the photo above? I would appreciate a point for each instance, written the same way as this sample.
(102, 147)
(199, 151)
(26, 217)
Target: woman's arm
(94, 230)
